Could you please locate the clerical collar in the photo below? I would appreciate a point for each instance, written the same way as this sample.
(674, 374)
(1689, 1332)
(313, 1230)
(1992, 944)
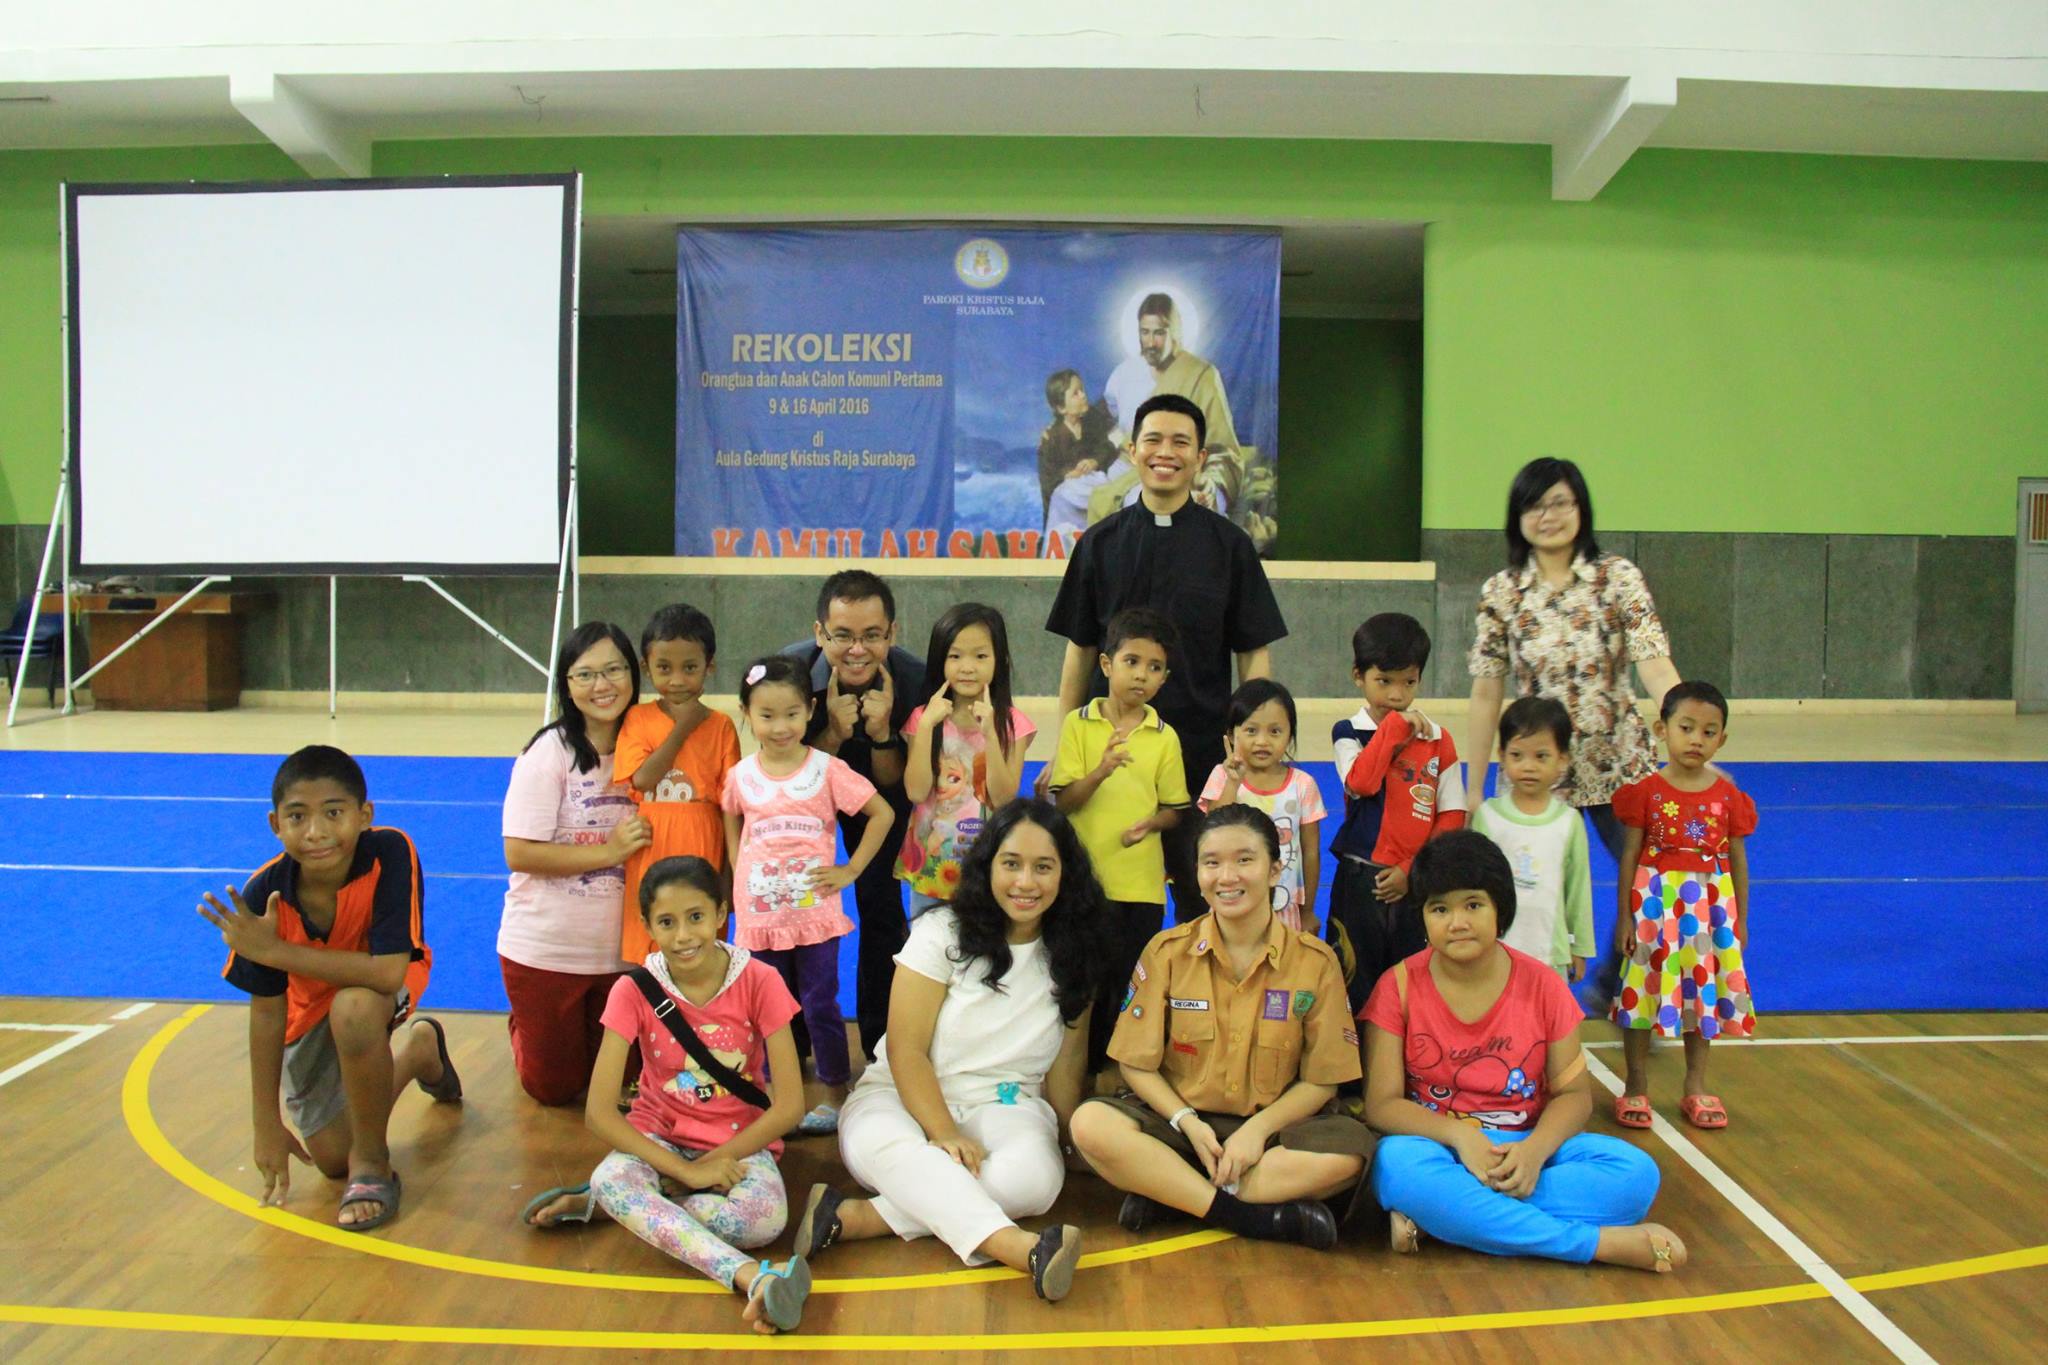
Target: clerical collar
(1167, 518)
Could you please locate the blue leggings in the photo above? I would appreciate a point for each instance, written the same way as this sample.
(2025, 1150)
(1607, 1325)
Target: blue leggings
(1591, 1182)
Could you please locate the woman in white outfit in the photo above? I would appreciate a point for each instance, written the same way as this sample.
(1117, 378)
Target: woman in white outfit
(957, 1125)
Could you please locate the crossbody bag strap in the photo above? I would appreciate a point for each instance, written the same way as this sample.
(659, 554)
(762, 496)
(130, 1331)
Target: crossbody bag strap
(665, 1010)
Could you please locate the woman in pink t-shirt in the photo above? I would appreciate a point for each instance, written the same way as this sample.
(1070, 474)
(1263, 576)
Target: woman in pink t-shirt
(1474, 1074)
(692, 1171)
(782, 806)
(569, 828)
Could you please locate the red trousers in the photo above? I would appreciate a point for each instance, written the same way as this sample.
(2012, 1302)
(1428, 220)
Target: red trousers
(556, 1027)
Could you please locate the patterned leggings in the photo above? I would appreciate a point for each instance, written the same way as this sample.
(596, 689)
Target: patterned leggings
(704, 1230)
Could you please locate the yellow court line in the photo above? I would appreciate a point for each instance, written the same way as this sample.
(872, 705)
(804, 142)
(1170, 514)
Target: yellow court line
(135, 1108)
(142, 1125)
(1125, 1338)
(1102, 1339)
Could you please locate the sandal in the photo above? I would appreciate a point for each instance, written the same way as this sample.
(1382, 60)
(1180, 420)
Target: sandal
(1704, 1111)
(818, 1229)
(1632, 1111)
(1053, 1260)
(782, 1292)
(370, 1189)
(541, 1201)
(1403, 1235)
(449, 1088)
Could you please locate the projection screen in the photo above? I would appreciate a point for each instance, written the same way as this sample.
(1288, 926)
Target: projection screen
(323, 377)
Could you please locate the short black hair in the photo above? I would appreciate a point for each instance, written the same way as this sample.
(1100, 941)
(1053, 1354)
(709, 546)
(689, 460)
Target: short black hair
(1256, 693)
(1171, 402)
(1536, 478)
(773, 669)
(680, 621)
(1534, 716)
(1465, 860)
(317, 763)
(1056, 388)
(1389, 641)
(1141, 623)
(855, 585)
(1694, 690)
(688, 870)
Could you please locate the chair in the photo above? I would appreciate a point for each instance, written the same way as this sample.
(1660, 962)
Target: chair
(15, 640)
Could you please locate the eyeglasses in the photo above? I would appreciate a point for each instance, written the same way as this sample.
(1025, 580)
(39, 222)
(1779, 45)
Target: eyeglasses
(873, 639)
(1551, 507)
(587, 677)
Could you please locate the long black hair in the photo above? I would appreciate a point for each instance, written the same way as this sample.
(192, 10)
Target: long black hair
(1072, 927)
(947, 629)
(1536, 478)
(581, 641)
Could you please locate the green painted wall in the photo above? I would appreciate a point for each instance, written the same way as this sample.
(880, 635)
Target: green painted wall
(1728, 341)
(1351, 433)
(626, 434)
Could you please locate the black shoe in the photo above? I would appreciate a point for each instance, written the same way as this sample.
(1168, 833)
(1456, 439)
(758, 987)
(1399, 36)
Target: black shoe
(819, 1227)
(1140, 1214)
(1053, 1260)
(1318, 1225)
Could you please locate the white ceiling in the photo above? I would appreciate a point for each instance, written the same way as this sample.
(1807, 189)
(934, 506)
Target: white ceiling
(2007, 124)
(1592, 79)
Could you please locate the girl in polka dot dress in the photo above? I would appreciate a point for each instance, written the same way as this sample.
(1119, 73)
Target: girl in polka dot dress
(1684, 907)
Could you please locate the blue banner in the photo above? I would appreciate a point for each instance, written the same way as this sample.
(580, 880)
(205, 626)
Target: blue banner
(960, 391)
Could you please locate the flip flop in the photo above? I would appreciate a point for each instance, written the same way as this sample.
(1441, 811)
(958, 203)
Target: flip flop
(1403, 1236)
(375, 1189)
(819, 1227)
(1053, 1260)
(449, 1088)
(820, 1122)
(541, 1201)
(1704, 1111)
(1632, 1111)
(782, 1292)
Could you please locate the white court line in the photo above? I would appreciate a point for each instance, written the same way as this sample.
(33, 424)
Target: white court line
(46, 1028)
(1863, 1310)
(1739, 1043)
(218, 871)
(84, 1033)
(140, 1007)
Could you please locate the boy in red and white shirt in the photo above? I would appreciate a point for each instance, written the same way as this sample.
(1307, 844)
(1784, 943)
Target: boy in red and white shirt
(1402, 787)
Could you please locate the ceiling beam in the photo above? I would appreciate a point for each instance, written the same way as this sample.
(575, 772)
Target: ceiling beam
(303, 130)
(1587, 156)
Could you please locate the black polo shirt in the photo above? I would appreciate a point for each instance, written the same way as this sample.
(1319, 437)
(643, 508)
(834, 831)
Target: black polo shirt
(906, 674)
(1201, 571)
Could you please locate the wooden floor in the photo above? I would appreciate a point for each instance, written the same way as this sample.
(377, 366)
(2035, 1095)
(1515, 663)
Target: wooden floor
(1912, 1176)
(1872, 1201)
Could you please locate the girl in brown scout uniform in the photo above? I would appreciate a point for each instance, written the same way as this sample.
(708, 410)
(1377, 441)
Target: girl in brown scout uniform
(1233, 1038)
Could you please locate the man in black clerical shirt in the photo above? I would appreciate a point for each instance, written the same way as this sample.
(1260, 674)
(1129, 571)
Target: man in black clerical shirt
(1168, 552)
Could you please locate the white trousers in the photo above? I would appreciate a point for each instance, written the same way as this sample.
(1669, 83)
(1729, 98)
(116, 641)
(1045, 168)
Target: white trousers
(922, 1192)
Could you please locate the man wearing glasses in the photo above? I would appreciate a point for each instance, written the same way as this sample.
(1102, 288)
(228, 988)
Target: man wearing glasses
(864, 688)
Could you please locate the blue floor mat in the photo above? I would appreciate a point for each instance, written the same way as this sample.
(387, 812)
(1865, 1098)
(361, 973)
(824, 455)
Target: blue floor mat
(1876, 884)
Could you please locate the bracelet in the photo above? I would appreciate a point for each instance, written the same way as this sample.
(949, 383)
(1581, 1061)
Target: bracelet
(1180, 1116)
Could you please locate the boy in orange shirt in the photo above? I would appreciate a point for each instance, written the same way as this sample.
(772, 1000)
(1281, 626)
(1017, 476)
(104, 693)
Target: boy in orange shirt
(674, 752)
(333, 963)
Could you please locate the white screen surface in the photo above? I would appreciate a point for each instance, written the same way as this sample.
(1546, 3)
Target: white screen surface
(325, 379)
